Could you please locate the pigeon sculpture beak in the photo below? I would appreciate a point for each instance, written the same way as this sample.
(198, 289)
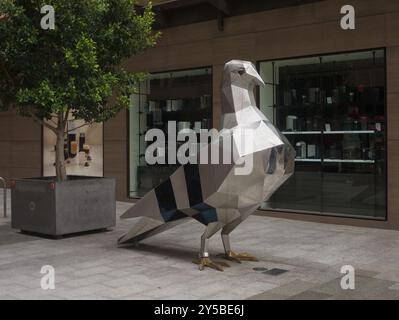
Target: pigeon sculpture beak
(259, 81)
(256, 78)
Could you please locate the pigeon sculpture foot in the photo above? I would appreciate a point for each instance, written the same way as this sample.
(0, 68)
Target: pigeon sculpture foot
(238, 257)
(206, 262)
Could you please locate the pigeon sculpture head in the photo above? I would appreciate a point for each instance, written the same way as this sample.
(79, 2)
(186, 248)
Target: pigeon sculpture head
(239, 79)
(242, 74)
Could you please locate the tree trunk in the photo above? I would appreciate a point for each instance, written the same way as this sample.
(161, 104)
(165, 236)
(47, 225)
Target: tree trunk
(60, 168)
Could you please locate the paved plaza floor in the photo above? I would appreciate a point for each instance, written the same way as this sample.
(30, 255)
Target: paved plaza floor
(298, 260)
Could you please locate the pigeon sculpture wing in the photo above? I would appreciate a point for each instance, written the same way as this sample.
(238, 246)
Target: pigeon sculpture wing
(216, 194)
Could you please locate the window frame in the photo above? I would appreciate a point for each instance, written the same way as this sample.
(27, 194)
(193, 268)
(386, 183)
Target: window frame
(386, 131)
(128, 182)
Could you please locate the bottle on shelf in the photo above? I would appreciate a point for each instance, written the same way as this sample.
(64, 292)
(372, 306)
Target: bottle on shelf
(291, 123)
(82, 141)
(71, 140)
(301, 150)
(311, 151)
(66, 149)
(74, 148)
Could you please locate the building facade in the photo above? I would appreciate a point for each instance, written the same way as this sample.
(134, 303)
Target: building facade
(333, 92)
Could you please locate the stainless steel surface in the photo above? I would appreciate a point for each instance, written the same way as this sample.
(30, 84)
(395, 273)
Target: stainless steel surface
(216, 194)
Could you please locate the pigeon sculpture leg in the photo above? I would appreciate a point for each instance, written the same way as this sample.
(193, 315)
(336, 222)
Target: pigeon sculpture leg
(204, 260)
(217, 195)
(227, 229)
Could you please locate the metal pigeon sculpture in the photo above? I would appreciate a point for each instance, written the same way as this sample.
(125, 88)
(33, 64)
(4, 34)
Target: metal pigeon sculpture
(214, 194)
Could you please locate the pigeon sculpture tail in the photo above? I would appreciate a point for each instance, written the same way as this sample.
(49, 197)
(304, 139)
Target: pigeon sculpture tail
(215, 194)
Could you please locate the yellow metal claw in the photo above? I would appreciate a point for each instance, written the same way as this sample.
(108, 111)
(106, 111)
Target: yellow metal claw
(206, 262)
(238, 257)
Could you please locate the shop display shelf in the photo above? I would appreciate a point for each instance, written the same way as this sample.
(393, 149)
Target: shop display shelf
(336, 160)
(350, 132)
(307, 160)
(330, 132)
(300, 132)
(349, 161)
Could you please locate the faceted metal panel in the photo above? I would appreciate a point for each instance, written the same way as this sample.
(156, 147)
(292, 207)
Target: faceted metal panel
(214, 194)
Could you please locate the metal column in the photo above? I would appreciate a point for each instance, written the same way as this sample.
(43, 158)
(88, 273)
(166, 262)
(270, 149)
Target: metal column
(4, 196)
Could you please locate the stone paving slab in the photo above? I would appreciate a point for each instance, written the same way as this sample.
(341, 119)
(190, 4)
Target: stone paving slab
(92, 266)
(311, 295)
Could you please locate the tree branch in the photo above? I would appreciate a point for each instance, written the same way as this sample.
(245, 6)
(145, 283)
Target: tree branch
(83, 125)
(45, 124)
(53, 122)
(67, 114)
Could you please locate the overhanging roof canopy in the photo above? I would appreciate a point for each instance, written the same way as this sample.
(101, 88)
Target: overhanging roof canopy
(171, 13)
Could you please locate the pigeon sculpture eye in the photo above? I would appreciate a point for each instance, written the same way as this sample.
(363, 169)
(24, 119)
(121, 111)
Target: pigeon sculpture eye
(241, 71)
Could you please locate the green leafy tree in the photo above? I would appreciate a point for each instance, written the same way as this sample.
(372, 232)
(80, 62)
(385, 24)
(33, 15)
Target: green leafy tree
(75, 69)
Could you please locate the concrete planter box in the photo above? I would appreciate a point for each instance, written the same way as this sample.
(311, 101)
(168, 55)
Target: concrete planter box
(43, 206)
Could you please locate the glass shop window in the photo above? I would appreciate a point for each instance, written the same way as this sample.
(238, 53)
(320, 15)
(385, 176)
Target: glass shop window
(181, 96)
(83, 149)
(332, 110)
